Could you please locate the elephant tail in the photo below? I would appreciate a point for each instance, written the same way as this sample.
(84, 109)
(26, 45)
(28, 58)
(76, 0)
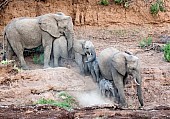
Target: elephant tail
(4, 39)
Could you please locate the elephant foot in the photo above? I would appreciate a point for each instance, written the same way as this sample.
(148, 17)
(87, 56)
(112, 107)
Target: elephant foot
(25, 68)
(141, 107)
(124, 106)
(47, 66)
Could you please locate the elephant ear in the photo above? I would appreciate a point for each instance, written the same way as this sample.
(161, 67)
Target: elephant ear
(119, 63)
(49, 24)
(79, 46)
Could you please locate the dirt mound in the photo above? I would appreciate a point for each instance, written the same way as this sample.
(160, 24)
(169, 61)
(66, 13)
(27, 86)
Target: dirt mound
(26, 87)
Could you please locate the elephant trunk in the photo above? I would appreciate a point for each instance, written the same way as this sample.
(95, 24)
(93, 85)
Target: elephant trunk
(93, 53)
(139, 89)
(70, 35)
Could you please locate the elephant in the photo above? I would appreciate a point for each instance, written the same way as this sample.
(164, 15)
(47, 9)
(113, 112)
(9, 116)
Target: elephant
(93, 67)
(116, 66)
(81, 48)
(31, 32)
(59, 50)
(106, 88)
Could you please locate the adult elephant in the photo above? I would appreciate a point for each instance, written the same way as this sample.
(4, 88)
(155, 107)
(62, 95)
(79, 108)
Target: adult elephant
(27, 33)
(116, 65)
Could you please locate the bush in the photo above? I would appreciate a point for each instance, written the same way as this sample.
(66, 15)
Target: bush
(104, 2)
(166, 50)
(124, 2)
(118, 1)
(145, 42)
(156, 7)
(38, 59)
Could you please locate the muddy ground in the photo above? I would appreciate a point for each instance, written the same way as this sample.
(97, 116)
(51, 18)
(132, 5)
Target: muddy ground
(18, 90)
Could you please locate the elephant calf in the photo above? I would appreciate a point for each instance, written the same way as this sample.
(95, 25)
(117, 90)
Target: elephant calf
(93, 67)
(81, 48)
(106, 88)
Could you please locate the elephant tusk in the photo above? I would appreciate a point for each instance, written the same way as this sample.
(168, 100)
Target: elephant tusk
(136, 82)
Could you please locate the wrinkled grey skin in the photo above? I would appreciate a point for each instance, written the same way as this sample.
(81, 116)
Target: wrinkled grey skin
(81, 48)
(30, 33)
(106, 88)
(93, 67)
(116, 66)
(59, 50)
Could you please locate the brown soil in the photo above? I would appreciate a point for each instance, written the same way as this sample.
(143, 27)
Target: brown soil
(26, 87)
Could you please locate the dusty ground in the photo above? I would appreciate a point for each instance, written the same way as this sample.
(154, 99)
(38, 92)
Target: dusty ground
(26, 87)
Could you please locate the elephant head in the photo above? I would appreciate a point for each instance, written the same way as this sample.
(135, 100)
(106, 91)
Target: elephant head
(89, 49)
(126, 63)
(65, 25)
(57, 25)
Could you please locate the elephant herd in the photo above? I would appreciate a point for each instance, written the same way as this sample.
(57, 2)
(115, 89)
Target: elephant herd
(56, 34)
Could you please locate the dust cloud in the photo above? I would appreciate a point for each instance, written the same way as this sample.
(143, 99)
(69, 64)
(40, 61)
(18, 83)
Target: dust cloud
(92, 98)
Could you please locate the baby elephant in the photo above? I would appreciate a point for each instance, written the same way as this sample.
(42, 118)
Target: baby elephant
(93, 67)
(106, 88)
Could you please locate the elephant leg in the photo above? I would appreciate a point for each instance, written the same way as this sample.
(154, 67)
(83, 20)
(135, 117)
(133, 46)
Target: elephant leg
(96, 70)
(86, 71)
(79, 61)
(117, 98)
(93, 75)
(63, 47)
(18, 49)
(103, 92)
(107, 94)
(9, 52)
(56, 52)
(118, 81)
(47, 41)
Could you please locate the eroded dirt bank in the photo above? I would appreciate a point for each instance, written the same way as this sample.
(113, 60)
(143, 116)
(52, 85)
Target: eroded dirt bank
(86, 12)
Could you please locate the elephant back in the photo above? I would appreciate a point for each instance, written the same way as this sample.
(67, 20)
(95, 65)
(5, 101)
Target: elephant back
(104, 60)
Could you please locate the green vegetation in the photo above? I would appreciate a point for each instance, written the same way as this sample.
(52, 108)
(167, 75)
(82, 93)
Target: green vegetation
(67, 101)
(145, 42)
(14, 66)
(104, 2)
(157, 6)
(5, 62)
(125, 3)
(166, 50)
(38, 59)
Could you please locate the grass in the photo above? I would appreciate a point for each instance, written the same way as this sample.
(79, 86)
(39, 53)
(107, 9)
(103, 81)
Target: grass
(166, 50)
(67, 102)
(145, 42)
(104, 2)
